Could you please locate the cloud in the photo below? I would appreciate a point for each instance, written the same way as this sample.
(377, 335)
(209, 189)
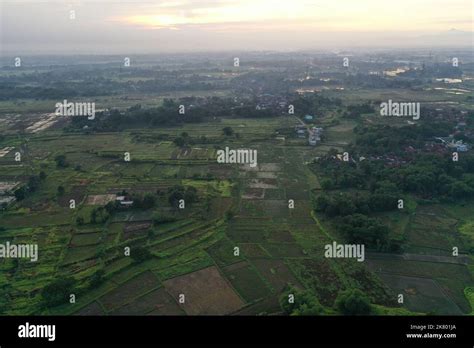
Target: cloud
(121, 25)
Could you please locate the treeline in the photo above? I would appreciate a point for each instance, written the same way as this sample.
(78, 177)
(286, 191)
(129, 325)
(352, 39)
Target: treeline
(382, 140)
(377, 81)
(196, 110)
(351, 212)
(100, 82)
(166, 115)
(13, 92)
(313, 104)
(436, 177)
(346, 204)
(356, 110)
(350, 301)
(428, 176)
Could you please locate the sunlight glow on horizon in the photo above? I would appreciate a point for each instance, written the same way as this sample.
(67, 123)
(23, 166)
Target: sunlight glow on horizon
(340, 15)
(197, 25)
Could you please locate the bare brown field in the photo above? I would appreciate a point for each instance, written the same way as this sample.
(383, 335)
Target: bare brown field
(100, 199)
(92, 308)
(206, 293)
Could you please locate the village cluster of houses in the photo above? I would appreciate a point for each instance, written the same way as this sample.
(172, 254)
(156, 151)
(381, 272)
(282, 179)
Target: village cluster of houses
(314, 134)
(452, 145)
(269, 101)
(460, 129)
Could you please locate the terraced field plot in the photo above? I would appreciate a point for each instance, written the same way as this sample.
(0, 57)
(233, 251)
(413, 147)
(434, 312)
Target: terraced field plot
(192, 251)
(128, 291)
(206, 293)
(422, 295)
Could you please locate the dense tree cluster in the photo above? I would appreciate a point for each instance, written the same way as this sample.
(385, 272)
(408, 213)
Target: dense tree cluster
(427, 175)
(346, 204)
(61, 161)
(178, 192)
(379, 140)
(58, 291)
(99, 215)
(97, 278)
(31, 186)
(360, 229)
(353, 302)
(300, 302)
(140, 254)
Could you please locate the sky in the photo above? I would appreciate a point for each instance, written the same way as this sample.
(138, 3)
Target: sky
(134, 27)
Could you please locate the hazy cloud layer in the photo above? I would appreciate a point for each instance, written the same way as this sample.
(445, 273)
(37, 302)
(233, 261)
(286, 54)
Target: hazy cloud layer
(188, 25)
